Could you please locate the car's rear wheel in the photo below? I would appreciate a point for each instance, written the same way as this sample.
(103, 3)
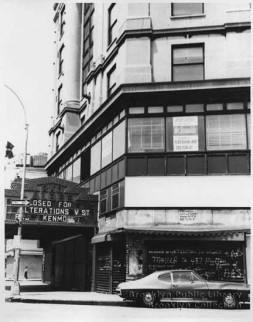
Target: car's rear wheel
(229, 301)
(149, 299)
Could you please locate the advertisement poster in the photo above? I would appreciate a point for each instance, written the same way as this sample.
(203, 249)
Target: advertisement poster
(185, 133)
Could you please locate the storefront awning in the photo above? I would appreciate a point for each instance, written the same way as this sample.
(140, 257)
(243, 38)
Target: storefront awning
(99, 238)
(179, 231)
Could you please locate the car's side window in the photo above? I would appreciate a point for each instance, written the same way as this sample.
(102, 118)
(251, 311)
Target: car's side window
(194, 278)
(165, 277)
(182, 277)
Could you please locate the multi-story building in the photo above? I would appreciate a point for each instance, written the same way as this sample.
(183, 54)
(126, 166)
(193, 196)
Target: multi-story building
(152, 114)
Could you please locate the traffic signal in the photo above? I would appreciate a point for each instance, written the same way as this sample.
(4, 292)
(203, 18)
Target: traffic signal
(9, 153)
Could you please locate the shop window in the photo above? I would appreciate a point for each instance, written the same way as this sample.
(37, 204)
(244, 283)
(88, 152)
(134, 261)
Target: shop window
(187, 9)
(185, 133)
(238, 164)
(92, 186)
(115, 193)
(121, 165)
(77, 171)
(112, 21)
(188, 63)
(156, 166)
(225, 132)
(107, 149)
(196, 165)
(146, 134)
(68, 173)
(111, 81)
(176, 165)
(119, 140)
(136, 166)
(103, 201)
(95, 162)
(217, 164)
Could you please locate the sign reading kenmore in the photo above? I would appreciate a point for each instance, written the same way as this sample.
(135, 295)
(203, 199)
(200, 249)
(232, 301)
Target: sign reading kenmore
(59, 211)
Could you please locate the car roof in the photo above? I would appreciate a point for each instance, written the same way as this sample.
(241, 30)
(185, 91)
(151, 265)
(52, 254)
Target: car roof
(174, 270)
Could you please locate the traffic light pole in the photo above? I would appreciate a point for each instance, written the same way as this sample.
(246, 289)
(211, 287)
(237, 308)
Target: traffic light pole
(15, 289)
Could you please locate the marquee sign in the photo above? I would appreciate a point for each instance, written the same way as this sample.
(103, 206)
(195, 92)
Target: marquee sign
(60, 212)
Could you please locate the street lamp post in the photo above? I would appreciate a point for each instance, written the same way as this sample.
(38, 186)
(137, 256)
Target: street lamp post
(15, 289)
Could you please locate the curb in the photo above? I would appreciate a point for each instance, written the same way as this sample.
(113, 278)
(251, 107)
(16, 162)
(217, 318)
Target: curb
(70, 302)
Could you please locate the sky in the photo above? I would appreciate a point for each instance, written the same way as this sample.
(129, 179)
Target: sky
(27, 57)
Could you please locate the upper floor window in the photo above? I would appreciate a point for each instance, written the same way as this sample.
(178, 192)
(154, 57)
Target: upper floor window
(146, 134)
(57, 141)
(187, 9)
(59, 100)
(62, 21)
(188, 62)
(111, 24)
(111, 77)
(61, 60)
(88, 30)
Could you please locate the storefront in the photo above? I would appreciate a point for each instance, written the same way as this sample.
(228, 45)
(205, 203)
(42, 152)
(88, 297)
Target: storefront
(216, 255)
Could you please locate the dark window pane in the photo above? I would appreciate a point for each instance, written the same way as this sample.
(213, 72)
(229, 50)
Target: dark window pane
(103, 177)
(238, 164)
(188, 72)
(97, 183)
(136, 166)
(92, 186)
(185, 9)
(176, 165)
(175, 108)
(193, 108)
(217, 164)
(108, 176)
(121, 169)
(156, 166)
(195, 165)
(115, 173)
(85, 165)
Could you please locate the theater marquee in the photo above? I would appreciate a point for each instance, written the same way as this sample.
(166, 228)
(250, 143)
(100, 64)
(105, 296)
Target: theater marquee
(59, 211)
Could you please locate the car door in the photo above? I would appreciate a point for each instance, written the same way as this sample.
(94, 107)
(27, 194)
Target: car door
(187, 286)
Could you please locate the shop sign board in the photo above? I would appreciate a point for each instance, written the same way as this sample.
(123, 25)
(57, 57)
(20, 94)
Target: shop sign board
(60, 212)
(187, 216)
(185, 133)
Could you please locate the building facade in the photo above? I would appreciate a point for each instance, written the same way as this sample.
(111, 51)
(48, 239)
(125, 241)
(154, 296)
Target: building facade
(152, 114)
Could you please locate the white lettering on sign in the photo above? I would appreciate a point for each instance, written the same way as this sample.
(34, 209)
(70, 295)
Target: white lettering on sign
(187, 216)
(54, 218)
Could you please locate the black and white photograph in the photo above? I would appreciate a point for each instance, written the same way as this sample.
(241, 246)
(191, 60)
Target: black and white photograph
(126, 173)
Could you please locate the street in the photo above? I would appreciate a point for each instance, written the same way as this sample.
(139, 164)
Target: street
(22, 312)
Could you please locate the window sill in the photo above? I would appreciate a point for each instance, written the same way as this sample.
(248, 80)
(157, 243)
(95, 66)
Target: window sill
(187, 16)
(111, 44)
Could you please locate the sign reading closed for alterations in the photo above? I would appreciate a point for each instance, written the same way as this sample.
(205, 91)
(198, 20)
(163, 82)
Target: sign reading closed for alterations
(185, 133)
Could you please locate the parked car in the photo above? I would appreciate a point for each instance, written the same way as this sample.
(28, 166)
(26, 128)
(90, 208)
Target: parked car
(184, 286)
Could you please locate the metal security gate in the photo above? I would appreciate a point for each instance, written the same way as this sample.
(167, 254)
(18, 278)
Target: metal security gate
(110, 266)
(70, 264)
(224, 261)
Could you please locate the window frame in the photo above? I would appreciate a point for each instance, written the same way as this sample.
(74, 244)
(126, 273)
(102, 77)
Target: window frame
(111, 24)
(60, 61)
(111, 87)
(59, 99)
(180, 46)
(188, 14)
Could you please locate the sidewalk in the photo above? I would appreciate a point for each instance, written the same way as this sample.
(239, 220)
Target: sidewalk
(32, 291)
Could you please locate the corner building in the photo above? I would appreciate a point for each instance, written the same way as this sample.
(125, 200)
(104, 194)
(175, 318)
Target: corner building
(152, 114)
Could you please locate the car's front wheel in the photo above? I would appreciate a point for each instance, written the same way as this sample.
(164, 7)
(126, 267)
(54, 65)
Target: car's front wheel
(149, 299)
(229, 301)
